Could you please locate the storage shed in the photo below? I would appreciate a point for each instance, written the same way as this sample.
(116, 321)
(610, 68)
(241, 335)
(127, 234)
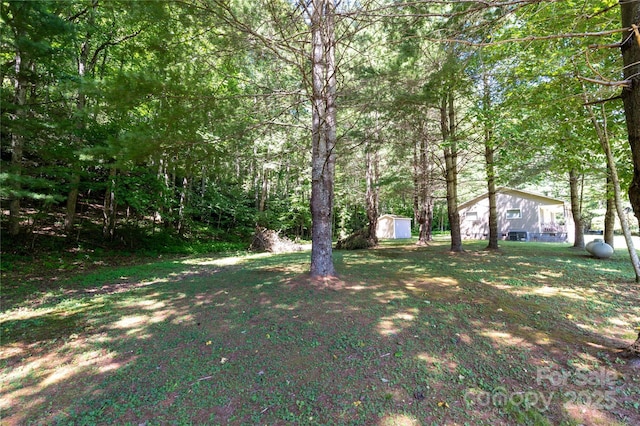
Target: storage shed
(392, 226)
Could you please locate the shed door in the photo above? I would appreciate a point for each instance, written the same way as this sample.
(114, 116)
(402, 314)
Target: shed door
(403, 228)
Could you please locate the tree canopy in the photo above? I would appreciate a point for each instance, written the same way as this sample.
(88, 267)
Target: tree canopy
(206, 118)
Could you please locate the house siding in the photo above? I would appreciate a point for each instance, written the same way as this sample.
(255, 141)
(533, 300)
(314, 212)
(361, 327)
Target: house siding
(537, 217)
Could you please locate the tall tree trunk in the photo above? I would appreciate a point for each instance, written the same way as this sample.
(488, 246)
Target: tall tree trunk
(265, 189)
(425, 188)
(428, 224)
(610, 215)
(416, 183)
(17, 143)
(371, 159)
(72, 196)
(323, 69)
(576, 209)
(630, 14)
(447, 125)
(109, 208)
(493, 206)
(182, 205)
(603, 137)
(162, 212)
(72, 201)
(489, 151)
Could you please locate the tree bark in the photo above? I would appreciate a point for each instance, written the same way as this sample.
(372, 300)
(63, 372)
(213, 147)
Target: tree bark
(489, 151)
(447, 125)
(17, 143)
(109, 208)
(576, 210)
(72, 196)
(371, 159)
(613, 172)
(416, 183)
(493, 206)
(72, 201)
(633, 350)
(182, 205)
(323, 136)
(83, 64)
(423, 190)
(265, 189)
(610, 215)
(630, 14)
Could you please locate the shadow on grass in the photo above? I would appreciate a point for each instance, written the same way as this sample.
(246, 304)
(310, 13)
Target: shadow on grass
(411, 336)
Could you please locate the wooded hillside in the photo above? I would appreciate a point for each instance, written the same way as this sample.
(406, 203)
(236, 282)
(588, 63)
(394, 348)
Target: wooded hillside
(132, 123)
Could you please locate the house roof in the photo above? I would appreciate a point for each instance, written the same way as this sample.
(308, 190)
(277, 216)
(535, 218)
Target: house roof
(517, 192)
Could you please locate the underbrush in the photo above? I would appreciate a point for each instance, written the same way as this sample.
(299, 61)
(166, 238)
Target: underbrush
(24, 253)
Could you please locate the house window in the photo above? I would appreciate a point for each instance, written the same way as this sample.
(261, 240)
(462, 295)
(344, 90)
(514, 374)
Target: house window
(471, 216)
(514, 214)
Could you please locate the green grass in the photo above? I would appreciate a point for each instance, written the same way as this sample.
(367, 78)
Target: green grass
(405, 335)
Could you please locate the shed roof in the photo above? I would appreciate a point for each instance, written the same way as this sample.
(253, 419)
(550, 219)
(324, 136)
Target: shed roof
(517, 192)
(394, 216)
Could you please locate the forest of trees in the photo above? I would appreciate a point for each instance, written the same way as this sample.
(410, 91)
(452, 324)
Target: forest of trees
(123, 121)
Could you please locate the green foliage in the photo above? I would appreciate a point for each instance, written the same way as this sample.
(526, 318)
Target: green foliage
(288, 215)
(202, 95)
(225, 207)
(141, 190)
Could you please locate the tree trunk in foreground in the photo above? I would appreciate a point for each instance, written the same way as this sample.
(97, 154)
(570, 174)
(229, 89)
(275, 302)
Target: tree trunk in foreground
(489, 163)
(491, 187)
(423, 188)
(613, 173)
(371, 159)
(323, 136)
(630, 13)
(576, 210)
(610, 215)
(448, 127)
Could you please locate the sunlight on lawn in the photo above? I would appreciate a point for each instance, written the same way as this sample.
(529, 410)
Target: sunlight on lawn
(428, 284)
(429, 328)
(80, 357)
(399, 420)
(432, 361)
(587, 414)
(25, 314)
(504, 338)
(224, 261)
(394, 324)
(569, 293)
(390, 295)
(26, 385)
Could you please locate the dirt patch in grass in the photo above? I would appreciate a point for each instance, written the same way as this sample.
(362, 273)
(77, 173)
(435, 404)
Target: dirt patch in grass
(404, 335)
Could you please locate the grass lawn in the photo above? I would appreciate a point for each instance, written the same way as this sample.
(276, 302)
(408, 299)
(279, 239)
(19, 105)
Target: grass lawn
(406, 335)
